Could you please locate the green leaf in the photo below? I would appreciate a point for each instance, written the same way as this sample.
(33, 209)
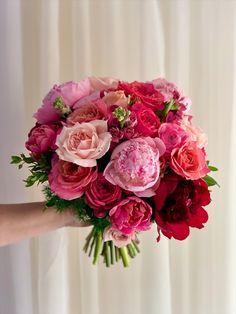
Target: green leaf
(212, 168)
(210, 181)
(15, 159)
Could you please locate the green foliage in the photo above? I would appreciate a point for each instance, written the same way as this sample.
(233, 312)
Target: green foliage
(171, 105)
(210, 181)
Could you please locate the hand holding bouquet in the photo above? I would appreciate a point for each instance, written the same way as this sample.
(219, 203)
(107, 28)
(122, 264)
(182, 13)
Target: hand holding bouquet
(122, 156)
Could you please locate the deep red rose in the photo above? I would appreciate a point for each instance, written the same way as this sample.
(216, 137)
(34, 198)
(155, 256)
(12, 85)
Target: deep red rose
(147, 121)
(101, 195)
(178, 206)
(144, 92)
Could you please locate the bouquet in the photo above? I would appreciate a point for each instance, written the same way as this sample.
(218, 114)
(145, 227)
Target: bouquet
(123, 156)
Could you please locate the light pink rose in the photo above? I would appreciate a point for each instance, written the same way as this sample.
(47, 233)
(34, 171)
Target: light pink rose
(130, 215)
(41, 138)
(172, 135)
(102, 83)
(69, 92)
(189, 161)
(84, 143)
(117, 98)
(69, 180)
(135, 166)
(195, 134)
(118, 238)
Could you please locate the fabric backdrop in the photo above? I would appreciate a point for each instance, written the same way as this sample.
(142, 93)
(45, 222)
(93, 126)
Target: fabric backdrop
(192, 43)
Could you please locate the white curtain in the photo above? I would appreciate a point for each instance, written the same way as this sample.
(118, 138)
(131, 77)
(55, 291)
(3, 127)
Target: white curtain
(192, 43)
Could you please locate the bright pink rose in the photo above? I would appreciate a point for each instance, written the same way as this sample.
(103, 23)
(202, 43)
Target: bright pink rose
(147, 121)
(145, 93)
(69, 180)
(130, 215)
(41, 138)
(84, 143)
(189, 161)
(101, 195)
(117, 98)
(102, 83)
(69, 92)
(194, 133)
(135, 166)
(118, 238)
(172, 135)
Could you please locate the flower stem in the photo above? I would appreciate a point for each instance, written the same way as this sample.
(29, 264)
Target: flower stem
(111, 251)
(106, 255)
(131, 250)
(125, 256)
(117, 253)
(98, 247)
(136, 246)
(88, 239)
(91, 247)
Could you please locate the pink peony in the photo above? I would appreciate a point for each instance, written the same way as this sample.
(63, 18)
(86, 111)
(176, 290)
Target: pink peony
(130, 215)
(172, 135)
(189, 161)
(117, 98)
(118, 238)
(101, 195)
(69, 180)
(84, 143)
(41, 138)
(135, 166)
(69, 92)
(102, 83)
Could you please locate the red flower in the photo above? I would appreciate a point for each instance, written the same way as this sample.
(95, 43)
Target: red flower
(144, 92)
(179, 204)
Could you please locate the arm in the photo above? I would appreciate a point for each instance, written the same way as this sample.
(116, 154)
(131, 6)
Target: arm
(22, 221)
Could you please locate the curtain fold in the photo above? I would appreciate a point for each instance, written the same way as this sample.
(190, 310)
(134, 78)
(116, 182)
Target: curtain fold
(189, 42)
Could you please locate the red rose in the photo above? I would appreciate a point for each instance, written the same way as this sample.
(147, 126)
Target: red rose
(147, 121)
(144, 92)
(101, 195)
(178, 206)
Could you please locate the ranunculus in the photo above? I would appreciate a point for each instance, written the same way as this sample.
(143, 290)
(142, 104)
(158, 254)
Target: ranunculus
(101, 195)
(135, 166)
(117, 98)
(145, 93)
(178, 206)
(69, 92)
(147, 121)
(195, 134)
(189, 161)
(41, 138)
(102, 83)
(84, 143)
(69, 180)
(172, 135)
(87, 112)
(130, 215)
(118, 238)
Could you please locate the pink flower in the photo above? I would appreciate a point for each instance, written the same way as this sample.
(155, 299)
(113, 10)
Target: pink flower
(195, 134)
(84, 143)
(117, 98)
(41, 138)
(135, 166)
(102, 83)
(101, 195)
(172, 135)
(87, 112)
(130, 215)
(69, 92)
(118, 238)
(189, 161)
(116, 133)
(69, 180)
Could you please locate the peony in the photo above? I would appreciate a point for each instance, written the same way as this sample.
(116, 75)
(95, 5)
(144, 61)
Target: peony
(101, 195)
(41, 138)
(189, 161)
(172, 135)
(69, 93)
(147, 121)
(117, 98)
(178, 206)
(102, 83)
(69, 180)
(135, 166)
(118, 238)
(130, 215)
(84, 143)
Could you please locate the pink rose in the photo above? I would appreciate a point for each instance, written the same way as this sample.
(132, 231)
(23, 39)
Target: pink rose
(118, 238)
(189, 161)
(69, 180)
(117, 98)
(69, 92)
(130, 215)
(84, 143)
(41, 138)
(88, 112)
(102, 83)
(101, 195)
(172, 135)
(195, 134)
(135, 166)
